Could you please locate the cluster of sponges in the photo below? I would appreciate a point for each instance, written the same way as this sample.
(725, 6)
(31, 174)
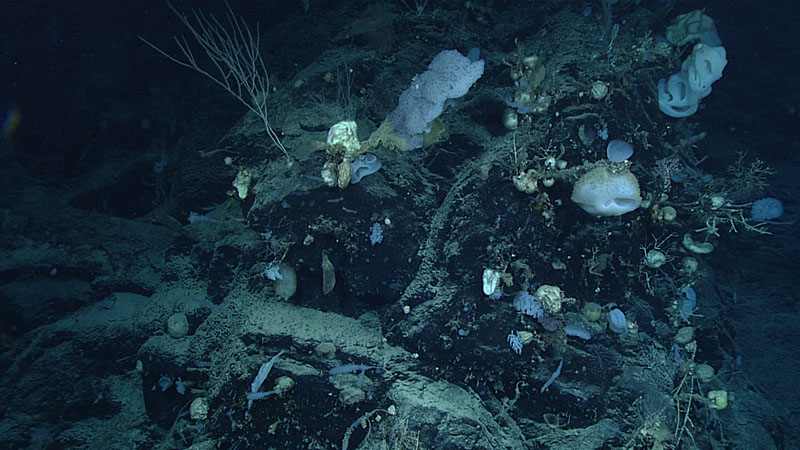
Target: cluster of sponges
(680, 94)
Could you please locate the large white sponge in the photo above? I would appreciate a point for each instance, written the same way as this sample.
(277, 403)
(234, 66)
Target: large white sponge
(602, 192)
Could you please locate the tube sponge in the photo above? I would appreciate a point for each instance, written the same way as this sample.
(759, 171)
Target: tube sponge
(680, 94)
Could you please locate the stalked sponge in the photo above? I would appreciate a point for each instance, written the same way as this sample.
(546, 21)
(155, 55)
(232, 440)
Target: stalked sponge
(604, 192)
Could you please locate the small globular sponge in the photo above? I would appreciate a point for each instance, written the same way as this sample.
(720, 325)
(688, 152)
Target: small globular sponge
(617, 322)
(619, 150)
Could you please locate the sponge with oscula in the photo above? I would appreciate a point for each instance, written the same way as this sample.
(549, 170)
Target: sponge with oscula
(680, 94)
